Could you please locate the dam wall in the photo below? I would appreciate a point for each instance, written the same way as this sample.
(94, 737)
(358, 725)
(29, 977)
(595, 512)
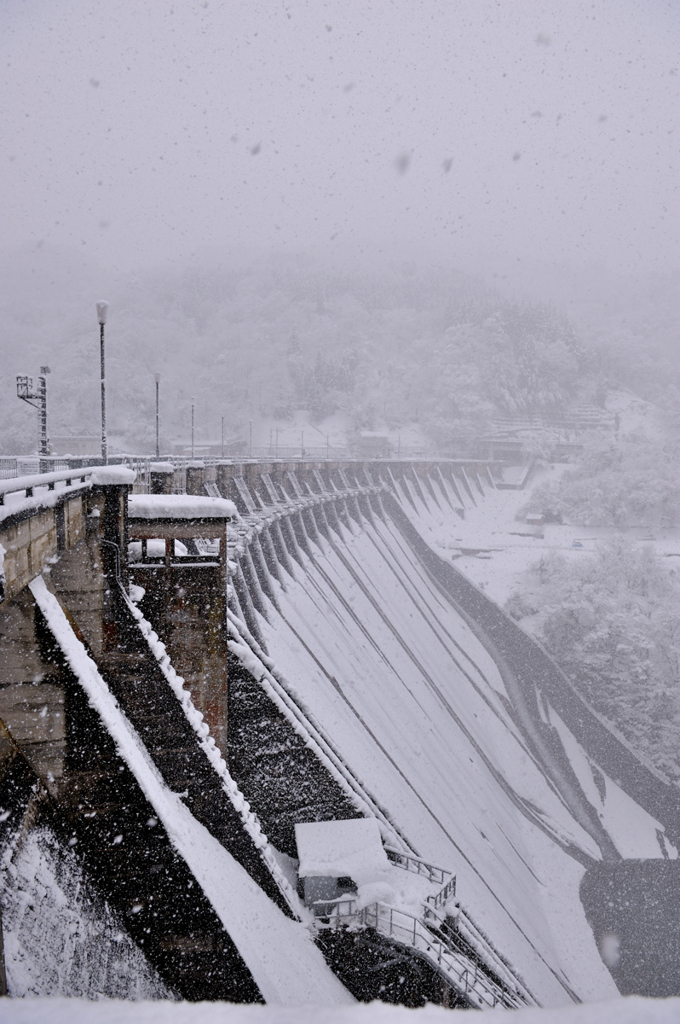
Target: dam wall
(295, 654)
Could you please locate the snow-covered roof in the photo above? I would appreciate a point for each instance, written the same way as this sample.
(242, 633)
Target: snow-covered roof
(339, 849)
(104, 475)
(161, 467)
(179, 506)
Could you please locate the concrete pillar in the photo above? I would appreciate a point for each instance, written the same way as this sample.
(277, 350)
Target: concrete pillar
(333, 518)
(262, 571)
(311, 527)
(321, 522)
(270, 556)
(280, 548)
(224, 471)
(290, 540)
(195, 478)
(363, 501)
(247, 607)
(162, 475)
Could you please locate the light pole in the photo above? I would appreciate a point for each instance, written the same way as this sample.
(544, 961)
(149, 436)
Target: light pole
(223, 437)
(102, 311)
(193, 446)
(158, 419)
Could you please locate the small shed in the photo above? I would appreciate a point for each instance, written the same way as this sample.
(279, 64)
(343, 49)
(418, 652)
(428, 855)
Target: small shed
(373, 445)
(336, 857)
(180, 517)
(535, 519)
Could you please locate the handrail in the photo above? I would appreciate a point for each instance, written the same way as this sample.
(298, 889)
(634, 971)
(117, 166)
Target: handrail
(409, 862)
(441, 898)
(409, 931)
(29, 483)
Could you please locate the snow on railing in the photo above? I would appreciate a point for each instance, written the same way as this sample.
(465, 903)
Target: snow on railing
(207, 743)
(408, 931)
(446, 893)
(419, 867)
(28, 484)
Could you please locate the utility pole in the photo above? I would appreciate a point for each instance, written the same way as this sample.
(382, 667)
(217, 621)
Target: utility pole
(158, 420)
(102, 312)
(251, 440)
(193, 446)
(223, 437)
(28, 393)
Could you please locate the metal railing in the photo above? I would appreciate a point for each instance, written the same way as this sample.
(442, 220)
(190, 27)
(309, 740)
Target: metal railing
(475, 449)
(446, 893)
(409, 862)
(406, 930)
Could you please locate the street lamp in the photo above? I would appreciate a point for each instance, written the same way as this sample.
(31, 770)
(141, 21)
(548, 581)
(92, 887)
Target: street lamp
(158, 444)
(102, 311)
(193, 447)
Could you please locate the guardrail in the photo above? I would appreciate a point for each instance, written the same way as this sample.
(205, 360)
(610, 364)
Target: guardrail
(47, 481)
(475, 450)
(406, 930)
(408, 862)
(446, 893)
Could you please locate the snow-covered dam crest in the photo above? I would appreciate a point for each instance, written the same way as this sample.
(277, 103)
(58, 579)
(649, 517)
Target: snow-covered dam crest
(211, 673)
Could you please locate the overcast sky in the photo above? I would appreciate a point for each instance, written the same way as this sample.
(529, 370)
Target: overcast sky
(516, 132)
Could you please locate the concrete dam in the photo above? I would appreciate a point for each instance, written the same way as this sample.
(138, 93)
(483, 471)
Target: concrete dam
(259, 742)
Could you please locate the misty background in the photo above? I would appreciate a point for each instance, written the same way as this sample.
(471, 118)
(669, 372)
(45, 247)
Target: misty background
(393, 216)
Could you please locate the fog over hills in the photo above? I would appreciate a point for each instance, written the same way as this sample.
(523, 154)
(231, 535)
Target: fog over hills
(366, 176)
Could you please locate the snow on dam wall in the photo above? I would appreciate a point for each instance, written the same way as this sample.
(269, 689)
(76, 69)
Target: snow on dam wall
(419, 706)
(366, 677)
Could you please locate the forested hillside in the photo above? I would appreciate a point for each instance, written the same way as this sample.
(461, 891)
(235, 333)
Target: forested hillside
(384, 349)
(611, 620)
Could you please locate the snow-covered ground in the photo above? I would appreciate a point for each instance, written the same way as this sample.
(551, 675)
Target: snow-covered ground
(494, 549)
(632, 1010)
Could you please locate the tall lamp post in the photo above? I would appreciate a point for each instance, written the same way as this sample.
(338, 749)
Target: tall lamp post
(158, 443)
(102, 311)
(193, 445)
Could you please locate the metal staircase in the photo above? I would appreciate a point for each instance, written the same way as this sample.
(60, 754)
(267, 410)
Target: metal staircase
(451, 944)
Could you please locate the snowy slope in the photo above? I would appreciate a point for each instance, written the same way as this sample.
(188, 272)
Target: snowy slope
(634, 831)
(285, 963)
(418, 709)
